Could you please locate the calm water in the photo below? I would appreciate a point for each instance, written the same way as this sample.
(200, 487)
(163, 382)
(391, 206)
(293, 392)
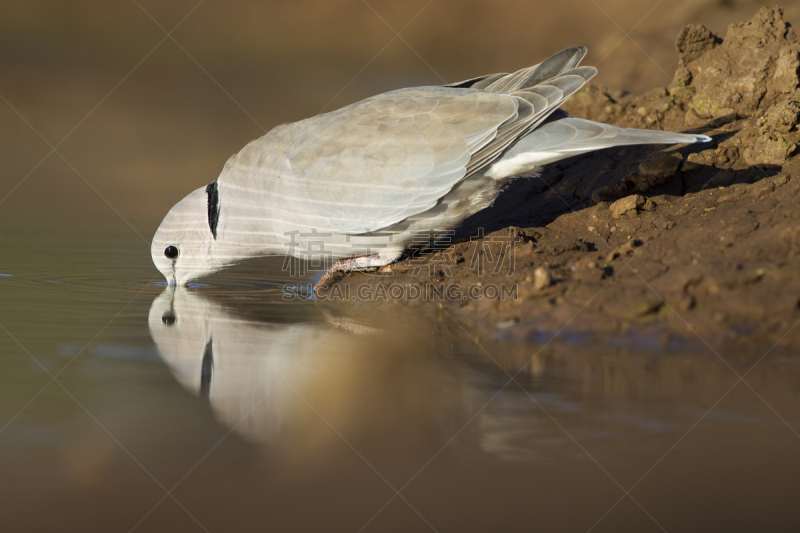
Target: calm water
(127, 407)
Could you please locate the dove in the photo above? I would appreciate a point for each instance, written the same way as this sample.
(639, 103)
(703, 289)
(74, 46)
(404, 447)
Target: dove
(354, 186)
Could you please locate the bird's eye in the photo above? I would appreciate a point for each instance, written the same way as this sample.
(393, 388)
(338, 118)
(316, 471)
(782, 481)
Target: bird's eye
(169, 318)
(171, 252)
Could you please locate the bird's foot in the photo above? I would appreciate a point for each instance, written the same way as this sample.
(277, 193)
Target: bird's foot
(343, 266)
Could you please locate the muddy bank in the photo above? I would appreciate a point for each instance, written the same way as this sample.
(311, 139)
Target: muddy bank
(690, 239)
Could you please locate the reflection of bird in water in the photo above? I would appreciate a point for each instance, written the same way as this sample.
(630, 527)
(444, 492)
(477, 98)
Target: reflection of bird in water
(303, 386)
(234, 361)
(381, 384)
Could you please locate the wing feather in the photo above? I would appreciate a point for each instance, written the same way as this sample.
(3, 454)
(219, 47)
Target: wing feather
(411, 146)
(372, 164)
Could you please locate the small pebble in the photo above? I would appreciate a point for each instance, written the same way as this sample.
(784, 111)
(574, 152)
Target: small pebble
(541, 279)
(628, 205)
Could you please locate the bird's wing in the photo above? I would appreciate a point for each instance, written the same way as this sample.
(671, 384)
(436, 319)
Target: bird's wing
(372, 164)
(393, 156)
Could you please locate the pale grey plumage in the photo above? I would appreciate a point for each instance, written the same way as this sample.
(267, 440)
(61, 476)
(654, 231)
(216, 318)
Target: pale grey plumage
(416, 158)
(235, 361)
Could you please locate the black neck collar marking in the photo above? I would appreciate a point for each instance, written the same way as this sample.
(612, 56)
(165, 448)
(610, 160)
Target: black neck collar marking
(207, 370)
(213, 207)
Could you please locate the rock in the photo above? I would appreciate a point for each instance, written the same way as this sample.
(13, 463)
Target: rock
(658, 169)
(706, 157)
(782, 117)
(628, 205)
(768, 149)
(756, 65)
(766, 27)
(541, 279)
(694, 40)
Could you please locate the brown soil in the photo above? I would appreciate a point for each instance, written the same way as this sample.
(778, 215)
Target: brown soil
(702, 238)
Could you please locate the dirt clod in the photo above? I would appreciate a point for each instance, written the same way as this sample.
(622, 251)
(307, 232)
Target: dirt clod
(756, 64)
(629, 205)
(656, 170)
(694, 40)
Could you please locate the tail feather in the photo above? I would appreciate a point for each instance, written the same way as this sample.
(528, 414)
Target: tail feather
(570, 134)
(564, 136)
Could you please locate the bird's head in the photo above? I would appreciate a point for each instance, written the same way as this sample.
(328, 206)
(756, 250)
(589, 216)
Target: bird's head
(184, 245)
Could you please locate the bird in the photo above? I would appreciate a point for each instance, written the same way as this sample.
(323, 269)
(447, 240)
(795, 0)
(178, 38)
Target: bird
(355, 186)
